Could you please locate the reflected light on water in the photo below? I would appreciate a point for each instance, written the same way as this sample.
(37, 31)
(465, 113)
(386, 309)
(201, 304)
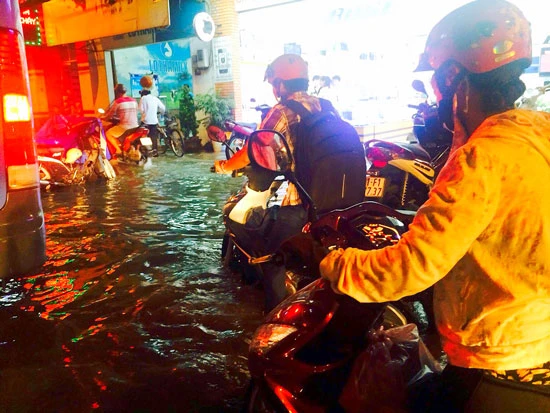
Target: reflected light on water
(131, 306)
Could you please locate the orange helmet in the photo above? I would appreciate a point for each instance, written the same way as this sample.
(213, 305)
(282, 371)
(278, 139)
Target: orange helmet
(287, 67)
(146, 82)
(482, 36)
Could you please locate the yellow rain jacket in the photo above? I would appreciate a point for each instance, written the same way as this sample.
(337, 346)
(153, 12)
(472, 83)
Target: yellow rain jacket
(483, 239)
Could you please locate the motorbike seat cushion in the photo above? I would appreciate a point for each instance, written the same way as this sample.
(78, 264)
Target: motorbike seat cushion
(126, 133)
(417, 150)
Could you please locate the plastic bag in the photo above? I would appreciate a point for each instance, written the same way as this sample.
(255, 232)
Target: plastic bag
(394, 361)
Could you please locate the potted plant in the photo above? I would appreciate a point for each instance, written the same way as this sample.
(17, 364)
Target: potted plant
(188, 121)
(216, 108)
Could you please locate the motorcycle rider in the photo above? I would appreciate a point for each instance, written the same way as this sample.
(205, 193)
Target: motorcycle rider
(150, 106)
(483, 236)
(124, 108)
(288, 75)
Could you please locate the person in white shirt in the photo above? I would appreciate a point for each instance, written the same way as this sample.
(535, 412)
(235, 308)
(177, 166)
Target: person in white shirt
(149, 107)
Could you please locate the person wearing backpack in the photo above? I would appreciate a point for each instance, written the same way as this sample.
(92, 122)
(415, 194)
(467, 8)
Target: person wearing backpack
(288, 75)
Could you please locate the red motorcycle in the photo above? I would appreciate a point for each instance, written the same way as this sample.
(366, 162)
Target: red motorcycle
(133, 146)
(302, 357)
(235, 134)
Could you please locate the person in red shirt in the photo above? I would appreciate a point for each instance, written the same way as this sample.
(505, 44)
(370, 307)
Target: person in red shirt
(125, 109)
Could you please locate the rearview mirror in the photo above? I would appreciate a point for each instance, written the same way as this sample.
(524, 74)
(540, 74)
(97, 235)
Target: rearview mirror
(418, 85)
(269, 150)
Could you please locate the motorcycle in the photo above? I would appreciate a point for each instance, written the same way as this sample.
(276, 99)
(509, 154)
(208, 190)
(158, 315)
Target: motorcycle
(134, 146)
(247, 214)
(401, 174)
(236, 132)
(71, 151)
(171, 135)
(302, 356)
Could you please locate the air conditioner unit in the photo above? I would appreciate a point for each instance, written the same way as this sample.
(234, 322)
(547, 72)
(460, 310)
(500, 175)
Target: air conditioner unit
(203, 58)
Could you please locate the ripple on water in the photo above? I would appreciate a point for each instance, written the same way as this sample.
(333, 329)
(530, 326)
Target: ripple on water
(132, 311)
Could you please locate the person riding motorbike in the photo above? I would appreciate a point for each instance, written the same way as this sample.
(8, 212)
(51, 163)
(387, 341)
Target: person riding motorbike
(288, 75)
(149, 107)
(483, 236)
(124, 108)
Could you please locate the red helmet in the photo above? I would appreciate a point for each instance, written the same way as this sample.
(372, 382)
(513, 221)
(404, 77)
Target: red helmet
(482, 36)
(286, 67)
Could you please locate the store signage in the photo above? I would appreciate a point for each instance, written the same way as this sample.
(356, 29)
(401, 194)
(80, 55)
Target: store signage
(30, 21)
(246, 5)
(67, 21)
(204, 26)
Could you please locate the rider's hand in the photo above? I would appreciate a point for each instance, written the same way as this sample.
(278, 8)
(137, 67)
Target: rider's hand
(219, 167)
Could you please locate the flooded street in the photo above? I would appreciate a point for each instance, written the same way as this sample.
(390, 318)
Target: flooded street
(132, 312)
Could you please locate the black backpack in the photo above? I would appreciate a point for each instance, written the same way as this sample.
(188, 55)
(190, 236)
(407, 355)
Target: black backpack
(329, 156)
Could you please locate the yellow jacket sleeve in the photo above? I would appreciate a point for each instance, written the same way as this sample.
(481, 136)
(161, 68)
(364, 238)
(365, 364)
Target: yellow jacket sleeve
(461, 205)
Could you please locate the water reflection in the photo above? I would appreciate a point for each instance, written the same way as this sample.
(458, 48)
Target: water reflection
(131, 312)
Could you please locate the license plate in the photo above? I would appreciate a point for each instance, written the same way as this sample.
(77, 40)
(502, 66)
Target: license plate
(146, 141)
(375, 187)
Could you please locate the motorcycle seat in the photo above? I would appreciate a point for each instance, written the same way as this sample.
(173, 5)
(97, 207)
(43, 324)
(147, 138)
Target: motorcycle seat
(416, 149)
(250, 125)
(127, 133)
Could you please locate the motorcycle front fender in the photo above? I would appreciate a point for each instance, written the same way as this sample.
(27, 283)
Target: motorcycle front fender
(53, 171)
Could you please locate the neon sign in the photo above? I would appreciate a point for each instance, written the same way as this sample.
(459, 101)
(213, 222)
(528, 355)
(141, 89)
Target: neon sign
(30, 21)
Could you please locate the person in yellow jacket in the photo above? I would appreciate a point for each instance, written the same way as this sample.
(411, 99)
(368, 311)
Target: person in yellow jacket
(483, 237)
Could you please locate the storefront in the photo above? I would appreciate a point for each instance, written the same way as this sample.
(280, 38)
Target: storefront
(373, 46)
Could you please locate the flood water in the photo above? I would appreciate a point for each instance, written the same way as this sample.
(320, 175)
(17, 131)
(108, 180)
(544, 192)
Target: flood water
(132, 312)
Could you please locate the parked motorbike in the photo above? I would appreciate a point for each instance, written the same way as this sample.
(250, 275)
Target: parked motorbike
(301, 357)
(134, 146)
(171, 135)
(236, 132)
(401, 174)
(71, 151)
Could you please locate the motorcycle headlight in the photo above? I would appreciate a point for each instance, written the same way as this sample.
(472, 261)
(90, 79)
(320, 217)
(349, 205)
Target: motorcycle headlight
(268, 335)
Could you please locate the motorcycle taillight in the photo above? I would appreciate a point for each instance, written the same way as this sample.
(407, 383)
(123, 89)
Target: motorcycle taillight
(378, 157)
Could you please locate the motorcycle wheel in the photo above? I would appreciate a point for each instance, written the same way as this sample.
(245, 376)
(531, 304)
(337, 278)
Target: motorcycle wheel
(259, 399)
(236, 142)
(176, 142)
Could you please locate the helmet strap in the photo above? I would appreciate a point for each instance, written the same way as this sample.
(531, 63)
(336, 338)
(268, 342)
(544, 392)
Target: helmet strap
(448, 77)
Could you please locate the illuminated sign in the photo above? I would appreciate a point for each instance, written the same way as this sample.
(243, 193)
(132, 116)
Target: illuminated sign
(204, 26)
(31, 27)
(67, 21)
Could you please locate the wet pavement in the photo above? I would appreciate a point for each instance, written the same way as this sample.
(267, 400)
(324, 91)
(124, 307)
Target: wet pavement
(132, 312)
